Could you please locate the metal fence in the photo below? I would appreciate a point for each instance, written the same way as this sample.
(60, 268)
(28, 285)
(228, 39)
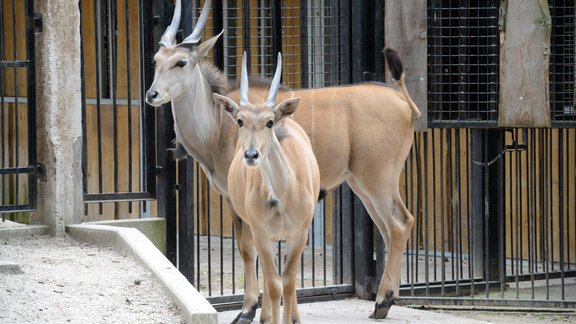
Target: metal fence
(499, 224)
(17, 110)
(118, 129)
(494, 209)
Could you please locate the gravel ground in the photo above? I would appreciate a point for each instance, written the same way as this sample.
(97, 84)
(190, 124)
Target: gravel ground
(66, 281)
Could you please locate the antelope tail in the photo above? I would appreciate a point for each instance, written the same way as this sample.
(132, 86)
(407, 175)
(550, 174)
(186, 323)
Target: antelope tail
(396, 69)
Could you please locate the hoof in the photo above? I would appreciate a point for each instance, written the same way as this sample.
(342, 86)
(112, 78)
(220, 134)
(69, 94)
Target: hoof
(381, 310)
(247, 317)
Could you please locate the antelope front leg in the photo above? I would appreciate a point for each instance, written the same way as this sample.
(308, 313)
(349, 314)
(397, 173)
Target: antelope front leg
(248, 254)
(295, 248)
(272, 281)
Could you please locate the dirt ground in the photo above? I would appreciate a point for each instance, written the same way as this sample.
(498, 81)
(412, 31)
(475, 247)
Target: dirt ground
(66, 281)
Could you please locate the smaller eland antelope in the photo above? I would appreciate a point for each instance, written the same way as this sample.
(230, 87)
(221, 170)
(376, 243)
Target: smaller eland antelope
(273, 184)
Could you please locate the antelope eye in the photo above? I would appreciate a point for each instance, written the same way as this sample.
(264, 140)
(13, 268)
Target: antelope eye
(240, 122)
(181, 63)
(269, 124)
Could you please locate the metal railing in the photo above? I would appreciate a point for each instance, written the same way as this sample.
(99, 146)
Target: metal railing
(18, 166)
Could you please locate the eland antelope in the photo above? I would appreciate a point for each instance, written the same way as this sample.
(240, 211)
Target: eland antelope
(273, 183)
(361, 134)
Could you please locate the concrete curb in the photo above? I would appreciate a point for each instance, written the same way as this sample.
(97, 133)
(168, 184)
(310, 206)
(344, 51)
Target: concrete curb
(195, 308)
(22, 231)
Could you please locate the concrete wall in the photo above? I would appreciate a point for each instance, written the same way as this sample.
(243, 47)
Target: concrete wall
(59, 123)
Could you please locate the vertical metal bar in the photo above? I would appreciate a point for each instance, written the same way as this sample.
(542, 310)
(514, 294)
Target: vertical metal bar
(221, 246)
(313, 248)
(83, 89)
(97, 50)
(304, 41)
(276, 30)
(533, 242)
(31, 92)
(186, 224)
(167, 174)
(232, 247)
(129, 98)
(518, 200)
(114, 64)
(324, 236)
(568, 201)
(471, 264)
(148, 32)
(209, 236)
(246, 32)
(442, 212)
(199, 230)
(218, 25)
(426, 225)
(16, 111)
(560, 168)
(552, 195)
(458, 225)
(3, 162)
(434, 220)
(548, 207)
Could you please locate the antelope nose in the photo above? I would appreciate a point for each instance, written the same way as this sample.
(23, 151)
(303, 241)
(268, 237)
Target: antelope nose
(151, 95)
(251, 154)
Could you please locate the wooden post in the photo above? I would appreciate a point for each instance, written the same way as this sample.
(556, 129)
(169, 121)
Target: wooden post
(405, 31)
(524, 61)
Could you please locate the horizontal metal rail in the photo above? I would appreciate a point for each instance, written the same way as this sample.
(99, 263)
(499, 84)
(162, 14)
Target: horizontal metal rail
(118, 197)
(305, 295)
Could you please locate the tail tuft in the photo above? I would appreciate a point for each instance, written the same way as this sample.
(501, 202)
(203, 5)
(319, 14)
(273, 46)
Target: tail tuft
(394, 63)
(395, 67)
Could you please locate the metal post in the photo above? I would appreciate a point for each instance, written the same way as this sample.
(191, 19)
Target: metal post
(186, 218)
(166, 168)
(488, 203)
(364, 266)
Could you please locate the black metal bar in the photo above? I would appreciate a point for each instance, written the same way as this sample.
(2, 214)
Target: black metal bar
(18, 170)
(83, 94)
(118, 197)
(218, 25)
(31, 96)
(560, 171)
(129, 98)
(16, 63)
(276, 30)
(97, 50)
(246, 32)
(186, 219)
(16, 108)
(4, 156)
(304, 42)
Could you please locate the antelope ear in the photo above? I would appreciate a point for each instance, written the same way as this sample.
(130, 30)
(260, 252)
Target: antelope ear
(229, 106)
(203, 49)
(286, 108)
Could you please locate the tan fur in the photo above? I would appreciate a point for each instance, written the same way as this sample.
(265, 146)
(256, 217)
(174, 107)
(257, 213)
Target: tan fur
(286, 172)
(360, 134)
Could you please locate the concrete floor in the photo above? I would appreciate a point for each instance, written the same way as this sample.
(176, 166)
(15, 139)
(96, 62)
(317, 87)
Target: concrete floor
(357, 311)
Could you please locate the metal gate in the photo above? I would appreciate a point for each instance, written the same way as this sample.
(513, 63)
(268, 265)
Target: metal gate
(17, 110)
(313, 39)
(119, 153)
(494, 207)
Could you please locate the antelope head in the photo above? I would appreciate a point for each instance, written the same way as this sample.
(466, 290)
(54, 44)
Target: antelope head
(257, 123)
(175, 62)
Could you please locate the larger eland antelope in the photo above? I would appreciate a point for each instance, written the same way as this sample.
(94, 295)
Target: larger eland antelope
(360, 134)
(273, 183)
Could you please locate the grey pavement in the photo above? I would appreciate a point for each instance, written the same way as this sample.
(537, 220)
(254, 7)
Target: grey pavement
(353, 310)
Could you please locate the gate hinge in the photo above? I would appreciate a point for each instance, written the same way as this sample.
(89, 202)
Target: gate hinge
(38, 23)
